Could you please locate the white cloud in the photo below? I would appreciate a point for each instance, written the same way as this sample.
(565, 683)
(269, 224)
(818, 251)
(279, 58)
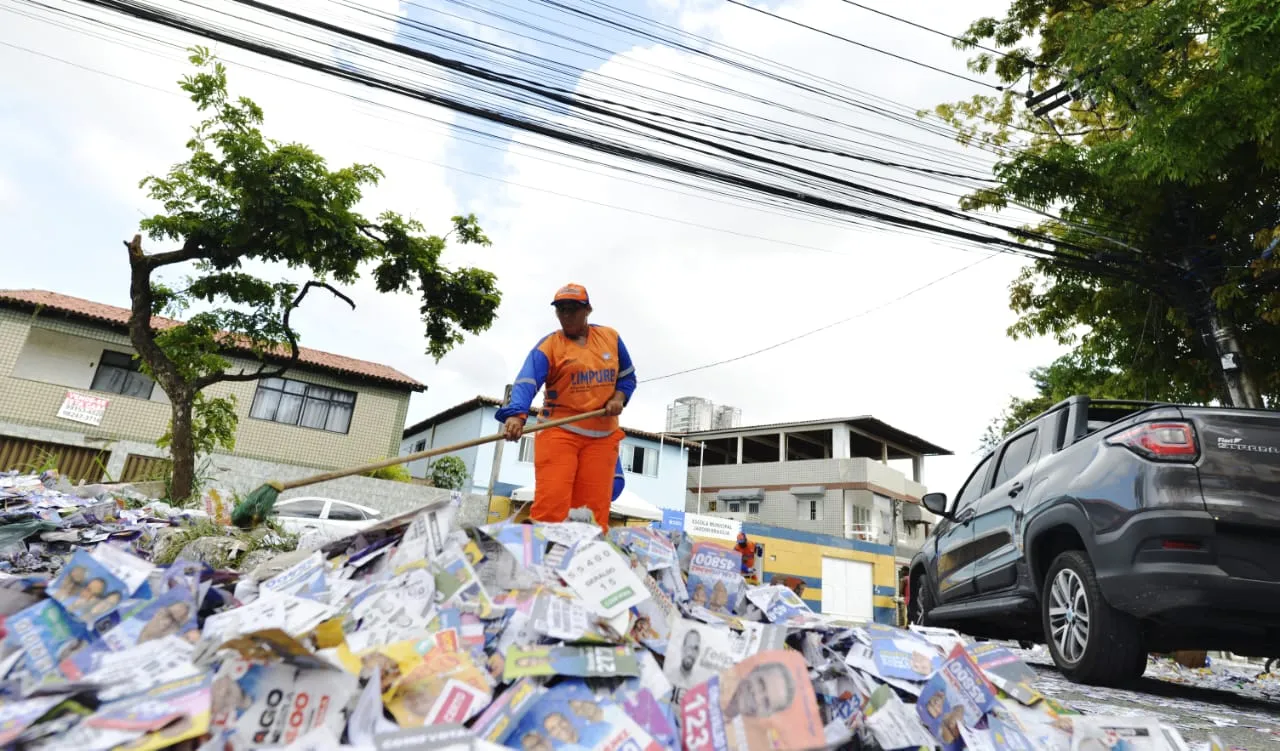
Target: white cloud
(937, 364)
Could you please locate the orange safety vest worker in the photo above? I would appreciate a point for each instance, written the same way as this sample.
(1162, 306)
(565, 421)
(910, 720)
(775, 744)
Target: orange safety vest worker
(584, 367)
(747, 550)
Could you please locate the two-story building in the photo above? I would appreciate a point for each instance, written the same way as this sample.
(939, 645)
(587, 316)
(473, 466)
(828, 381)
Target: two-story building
(655, 466)
(72, 396)
(829, 477)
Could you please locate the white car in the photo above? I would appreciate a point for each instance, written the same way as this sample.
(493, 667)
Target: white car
(330, 517)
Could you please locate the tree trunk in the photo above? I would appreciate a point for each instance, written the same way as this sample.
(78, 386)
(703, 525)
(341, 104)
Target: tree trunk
(182, 448)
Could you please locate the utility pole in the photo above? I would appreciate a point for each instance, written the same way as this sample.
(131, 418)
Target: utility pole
(1220, 335)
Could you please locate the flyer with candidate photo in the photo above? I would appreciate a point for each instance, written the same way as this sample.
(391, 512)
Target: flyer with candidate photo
(444, 685)
(763, 703)
(174, 613)
(698, 651)
(956, 695)
(594, 662)
(87, 589)
(570, 717)
(715, 579)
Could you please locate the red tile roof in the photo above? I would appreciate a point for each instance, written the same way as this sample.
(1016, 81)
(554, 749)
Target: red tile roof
(110, 314)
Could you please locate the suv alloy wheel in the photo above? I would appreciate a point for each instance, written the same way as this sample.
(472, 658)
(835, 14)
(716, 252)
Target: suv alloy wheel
(1090, 641)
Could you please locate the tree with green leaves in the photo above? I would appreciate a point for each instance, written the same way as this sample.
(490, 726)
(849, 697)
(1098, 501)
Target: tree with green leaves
(1153, 138)
(449, 472)
(241, 198)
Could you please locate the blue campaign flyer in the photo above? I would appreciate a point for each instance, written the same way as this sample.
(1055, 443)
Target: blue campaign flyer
(86, 589)
(47, 634)
(174, 612)
(956, 695)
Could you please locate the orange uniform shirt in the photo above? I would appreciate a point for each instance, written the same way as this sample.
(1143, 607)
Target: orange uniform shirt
(578, 378)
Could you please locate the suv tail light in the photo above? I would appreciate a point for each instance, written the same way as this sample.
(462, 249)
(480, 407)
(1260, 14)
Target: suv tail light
(1161, 441)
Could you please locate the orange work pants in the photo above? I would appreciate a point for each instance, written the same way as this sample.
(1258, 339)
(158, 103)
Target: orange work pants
(572, 470)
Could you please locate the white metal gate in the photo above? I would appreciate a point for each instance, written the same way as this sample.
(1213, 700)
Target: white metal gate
(847, 588)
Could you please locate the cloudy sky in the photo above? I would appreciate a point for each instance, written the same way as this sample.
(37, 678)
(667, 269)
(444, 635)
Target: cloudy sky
(688, 279)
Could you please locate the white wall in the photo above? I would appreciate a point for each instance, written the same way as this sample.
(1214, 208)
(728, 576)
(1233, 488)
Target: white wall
(667, 490)
(67, 360)
(461, 428)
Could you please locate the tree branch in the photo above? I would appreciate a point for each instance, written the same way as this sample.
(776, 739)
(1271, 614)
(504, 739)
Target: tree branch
(190, 251)
(294, 351)
(140, 333)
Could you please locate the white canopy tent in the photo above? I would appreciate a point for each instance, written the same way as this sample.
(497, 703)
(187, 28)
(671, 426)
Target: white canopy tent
(628, 504)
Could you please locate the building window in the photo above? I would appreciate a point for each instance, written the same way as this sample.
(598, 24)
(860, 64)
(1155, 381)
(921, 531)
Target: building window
(809, 510)
(753, 507)
(526, 450)
(711, 505)
(119, 373)
(734, 507)
(292, 402)
(419, 446)
(639, 460)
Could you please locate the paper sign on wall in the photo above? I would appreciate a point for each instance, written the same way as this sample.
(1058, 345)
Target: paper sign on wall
(713, 527)
(83, 408)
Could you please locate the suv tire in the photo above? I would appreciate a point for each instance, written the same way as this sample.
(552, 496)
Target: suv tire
(1090, 641)
(921, 602)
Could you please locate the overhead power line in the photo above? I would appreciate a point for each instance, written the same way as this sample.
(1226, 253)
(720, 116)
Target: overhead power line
(798, 176)
(866, 46)
(820, 329)
(931, 30)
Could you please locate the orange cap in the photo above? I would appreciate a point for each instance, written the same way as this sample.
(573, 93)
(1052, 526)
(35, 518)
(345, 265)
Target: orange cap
(572, 293)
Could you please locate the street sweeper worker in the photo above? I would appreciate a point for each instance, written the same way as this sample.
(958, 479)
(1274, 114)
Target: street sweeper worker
(584, 367)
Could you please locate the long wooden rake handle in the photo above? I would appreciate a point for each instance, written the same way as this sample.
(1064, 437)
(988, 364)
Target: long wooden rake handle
(335, 474)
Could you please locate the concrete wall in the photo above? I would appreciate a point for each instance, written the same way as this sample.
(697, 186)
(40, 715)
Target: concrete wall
(40, 358)
(666, 490)
(242, 475)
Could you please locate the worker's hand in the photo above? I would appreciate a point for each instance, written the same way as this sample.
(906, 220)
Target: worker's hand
(613, 407)
(513, 428)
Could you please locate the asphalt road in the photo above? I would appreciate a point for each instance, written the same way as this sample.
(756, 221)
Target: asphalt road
(1229, 701)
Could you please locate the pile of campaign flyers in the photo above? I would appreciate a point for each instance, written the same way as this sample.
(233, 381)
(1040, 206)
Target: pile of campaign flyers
(416, 633)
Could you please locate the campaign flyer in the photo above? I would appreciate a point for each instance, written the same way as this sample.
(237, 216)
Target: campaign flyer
(715, 579)
(46, 634)
(603, 578)
(956, 695)
(165, 715)
(444, 686)
(173, 612)
(497, 722)
(765, 702)
(595, 662)
(569, 716)
(654, 616)
(698, 651)
(87, 589)
(1005, 670)
(276, 704)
